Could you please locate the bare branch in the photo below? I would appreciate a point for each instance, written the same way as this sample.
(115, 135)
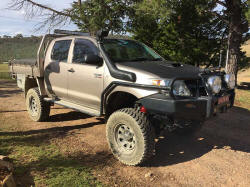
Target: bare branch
(52, 17)
(26, 4)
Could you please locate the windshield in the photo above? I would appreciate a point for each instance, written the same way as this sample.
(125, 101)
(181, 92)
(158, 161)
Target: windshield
(120, 50)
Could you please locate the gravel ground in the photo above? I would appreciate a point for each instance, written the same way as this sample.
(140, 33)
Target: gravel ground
(218, 155)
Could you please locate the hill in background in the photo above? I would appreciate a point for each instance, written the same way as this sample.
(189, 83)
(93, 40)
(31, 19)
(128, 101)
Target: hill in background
(18, 48)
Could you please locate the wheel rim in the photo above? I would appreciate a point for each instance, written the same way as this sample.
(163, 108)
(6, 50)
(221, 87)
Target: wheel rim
(125, 138)
(33, 106)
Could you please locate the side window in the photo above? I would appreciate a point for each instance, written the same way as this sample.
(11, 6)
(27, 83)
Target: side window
(83, 47)
(60, 50)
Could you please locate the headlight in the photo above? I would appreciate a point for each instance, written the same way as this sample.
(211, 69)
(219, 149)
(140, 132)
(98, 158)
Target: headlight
(214, 83)
(230, 80)
(160, 82)
(180, 88)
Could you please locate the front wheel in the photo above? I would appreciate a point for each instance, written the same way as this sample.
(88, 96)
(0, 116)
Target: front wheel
(130, 136)
(37, 108)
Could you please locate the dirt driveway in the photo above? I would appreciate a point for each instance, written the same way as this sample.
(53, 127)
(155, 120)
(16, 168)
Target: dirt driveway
(219, 155)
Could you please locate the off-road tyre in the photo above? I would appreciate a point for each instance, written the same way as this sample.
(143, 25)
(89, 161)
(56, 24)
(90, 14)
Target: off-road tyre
(136, 123)
(37, 108)
(189, 130)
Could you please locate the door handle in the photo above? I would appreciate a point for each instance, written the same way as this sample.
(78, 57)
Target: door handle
(71, 70)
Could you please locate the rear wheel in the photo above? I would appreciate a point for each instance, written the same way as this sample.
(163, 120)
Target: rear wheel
(130, 136)
(37, 108)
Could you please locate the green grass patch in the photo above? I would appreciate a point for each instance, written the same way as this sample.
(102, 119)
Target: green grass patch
(4, 68)
(5, 75)
(242, 98)
(4, 71)
(18, 48)
(40, 161)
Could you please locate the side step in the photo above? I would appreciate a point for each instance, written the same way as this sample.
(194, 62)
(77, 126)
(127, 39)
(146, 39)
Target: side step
(85, 110)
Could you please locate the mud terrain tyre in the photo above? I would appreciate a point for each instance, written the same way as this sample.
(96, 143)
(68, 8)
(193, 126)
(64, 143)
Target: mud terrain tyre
(37, 108)
(130, 136)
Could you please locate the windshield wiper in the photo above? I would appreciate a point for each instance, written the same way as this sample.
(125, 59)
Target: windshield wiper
(146, 59)
(139, 59)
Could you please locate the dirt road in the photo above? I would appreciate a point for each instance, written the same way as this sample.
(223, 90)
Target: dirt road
(219, 155)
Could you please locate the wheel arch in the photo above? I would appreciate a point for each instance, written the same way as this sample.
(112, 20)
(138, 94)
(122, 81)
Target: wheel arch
(29, 83)
(118, 100)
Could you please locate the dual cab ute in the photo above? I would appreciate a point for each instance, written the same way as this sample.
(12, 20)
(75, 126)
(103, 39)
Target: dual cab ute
(137, 91)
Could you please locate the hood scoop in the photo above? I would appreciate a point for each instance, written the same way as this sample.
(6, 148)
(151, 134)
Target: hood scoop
(170, 65)
(176, 65)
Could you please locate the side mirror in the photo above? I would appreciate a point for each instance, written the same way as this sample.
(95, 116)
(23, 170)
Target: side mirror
(93, 59)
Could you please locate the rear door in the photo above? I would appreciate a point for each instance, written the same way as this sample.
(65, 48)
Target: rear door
(85, 81)
(56, 71)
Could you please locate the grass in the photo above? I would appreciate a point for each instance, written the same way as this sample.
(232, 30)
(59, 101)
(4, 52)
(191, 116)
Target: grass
(242, 99)
(22, 48)
(34, 155)
(4, 71)
(246, 48)
(4, 68)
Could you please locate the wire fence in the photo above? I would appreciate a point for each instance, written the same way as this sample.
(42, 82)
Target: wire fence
(5, 75)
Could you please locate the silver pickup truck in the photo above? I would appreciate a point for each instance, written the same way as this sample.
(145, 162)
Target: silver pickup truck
(138, 92)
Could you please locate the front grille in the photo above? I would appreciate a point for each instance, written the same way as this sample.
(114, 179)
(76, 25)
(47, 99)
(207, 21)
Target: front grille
(196, 87)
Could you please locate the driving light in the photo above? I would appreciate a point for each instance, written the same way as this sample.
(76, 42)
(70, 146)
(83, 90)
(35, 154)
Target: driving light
(230, 80)
(214, 83)
(181, 89)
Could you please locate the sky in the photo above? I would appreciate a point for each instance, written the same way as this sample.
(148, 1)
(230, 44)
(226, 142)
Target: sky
(14, 22)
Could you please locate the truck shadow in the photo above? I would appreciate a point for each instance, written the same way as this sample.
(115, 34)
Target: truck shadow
(244, 86)
(69, 116)
(8, 93)
(7, 83)
(54, 130)
(228, 131)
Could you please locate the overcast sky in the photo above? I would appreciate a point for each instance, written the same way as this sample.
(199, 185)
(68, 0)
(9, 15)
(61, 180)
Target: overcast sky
(14, 22)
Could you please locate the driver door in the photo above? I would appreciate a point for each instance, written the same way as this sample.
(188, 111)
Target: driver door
(85, 81)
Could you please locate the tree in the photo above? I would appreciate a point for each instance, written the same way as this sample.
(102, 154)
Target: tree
(180, 30)
(6, 36)
(233, 15)
(247, 11)
(93, 15)
(88, 15)
(18, 36)
(192, 31)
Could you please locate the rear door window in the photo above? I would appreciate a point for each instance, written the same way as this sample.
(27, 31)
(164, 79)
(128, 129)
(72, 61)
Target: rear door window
(60, 50)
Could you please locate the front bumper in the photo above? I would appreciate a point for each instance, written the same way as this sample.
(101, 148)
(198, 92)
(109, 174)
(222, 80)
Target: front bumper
(200, 108)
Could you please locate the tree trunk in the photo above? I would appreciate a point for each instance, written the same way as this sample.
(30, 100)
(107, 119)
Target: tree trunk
(235, 35)
(234, 42)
